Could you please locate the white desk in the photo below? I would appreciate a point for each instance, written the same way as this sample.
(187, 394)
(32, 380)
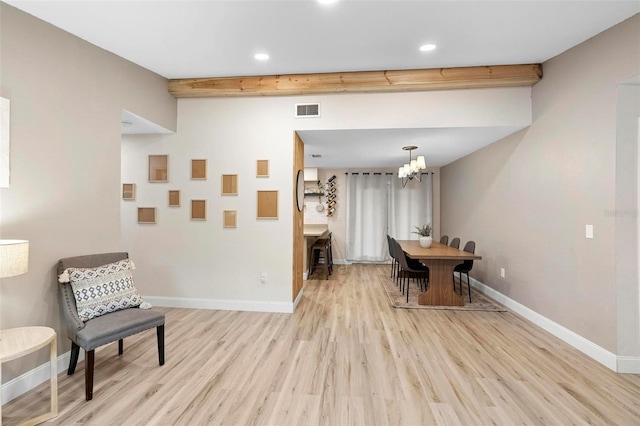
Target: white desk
(18, 342)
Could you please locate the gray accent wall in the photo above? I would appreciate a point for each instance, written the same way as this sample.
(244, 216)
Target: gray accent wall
(64, 197)
(526, 199)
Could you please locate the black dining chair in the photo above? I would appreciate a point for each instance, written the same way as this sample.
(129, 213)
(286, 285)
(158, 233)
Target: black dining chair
(444, 240)
(455, 243)
(406, 272)
(464, 268)
(394, 261)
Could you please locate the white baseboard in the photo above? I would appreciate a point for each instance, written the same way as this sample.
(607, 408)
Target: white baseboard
(29, 380)
(298, 298)
(603, 356)
(220, 304)
(629, 364)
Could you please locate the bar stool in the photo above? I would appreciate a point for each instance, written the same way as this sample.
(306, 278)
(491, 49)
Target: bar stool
(322, 253)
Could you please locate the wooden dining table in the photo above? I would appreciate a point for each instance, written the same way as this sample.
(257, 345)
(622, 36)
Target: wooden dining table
(441, 260)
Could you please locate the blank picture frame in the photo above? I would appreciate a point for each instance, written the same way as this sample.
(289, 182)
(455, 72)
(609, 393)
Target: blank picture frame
(267, 205)
(5, 142)
(229, 219)
(146, 215)
(158, 168)
(229, 184)
(198, 209)
(199, 169)
(262, 168)
(174, 198)
(128, 191)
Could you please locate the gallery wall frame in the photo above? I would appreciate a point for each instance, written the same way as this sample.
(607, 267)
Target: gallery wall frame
(199, 210)
(267, 205)
(262, 168)
(5, 142)
(147, 215)
(158, 168)
(230, 219)
(174, 198)
(199, 169)
(229, 184)
(128, 191)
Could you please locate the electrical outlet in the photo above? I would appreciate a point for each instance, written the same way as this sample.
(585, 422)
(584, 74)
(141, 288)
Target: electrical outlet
(263, 277)
(588, 231)
(501, 272)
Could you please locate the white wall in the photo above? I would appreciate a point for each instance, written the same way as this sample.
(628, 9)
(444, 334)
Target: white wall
(201, 264)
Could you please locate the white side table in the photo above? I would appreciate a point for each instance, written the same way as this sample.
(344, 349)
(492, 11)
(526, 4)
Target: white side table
(18, 342)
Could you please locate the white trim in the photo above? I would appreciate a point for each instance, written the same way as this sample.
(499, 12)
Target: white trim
(629, 364)
(585, 346)
(29, 380)
(298, 298)
(220, 304)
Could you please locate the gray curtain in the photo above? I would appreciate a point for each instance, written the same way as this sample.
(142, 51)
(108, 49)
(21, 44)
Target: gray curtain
(378, 205)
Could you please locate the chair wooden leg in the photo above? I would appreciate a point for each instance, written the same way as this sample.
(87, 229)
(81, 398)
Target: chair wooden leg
(88, 374)
(73, 361)
(160, 333)
(120, 346)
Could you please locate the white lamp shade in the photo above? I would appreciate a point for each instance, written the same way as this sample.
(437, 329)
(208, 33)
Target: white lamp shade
(407, 170)
(422, 164)
(14, 257)
(401, 172)
(414, 166)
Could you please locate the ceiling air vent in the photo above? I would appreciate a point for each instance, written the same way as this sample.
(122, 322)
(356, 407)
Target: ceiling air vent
(307, 110)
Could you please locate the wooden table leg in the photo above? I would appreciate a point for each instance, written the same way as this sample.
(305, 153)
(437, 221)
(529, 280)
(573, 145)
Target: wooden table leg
(54, 377)
(440, 291)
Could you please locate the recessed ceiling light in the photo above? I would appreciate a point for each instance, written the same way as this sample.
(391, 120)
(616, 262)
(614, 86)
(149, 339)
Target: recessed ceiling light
(126, 123)
(316, 155)
(427, 47)
(261, 56)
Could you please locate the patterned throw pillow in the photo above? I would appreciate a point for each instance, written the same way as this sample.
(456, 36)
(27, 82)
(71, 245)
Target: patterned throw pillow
(107, 288)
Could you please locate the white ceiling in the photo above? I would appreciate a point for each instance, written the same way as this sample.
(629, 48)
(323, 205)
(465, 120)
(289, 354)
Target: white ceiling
(382, 148)
(181, 39)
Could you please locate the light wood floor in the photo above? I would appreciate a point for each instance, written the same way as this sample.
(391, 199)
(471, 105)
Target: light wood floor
(345, 357)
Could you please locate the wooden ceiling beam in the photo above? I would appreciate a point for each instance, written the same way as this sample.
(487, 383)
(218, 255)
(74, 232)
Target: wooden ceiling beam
(359, 82)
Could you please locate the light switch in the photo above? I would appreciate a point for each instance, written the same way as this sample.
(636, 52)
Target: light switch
(589, 231)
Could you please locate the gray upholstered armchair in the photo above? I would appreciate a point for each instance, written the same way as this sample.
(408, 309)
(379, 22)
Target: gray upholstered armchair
(106, 328)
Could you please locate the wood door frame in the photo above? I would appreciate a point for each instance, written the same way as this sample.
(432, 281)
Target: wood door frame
(298, 220)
